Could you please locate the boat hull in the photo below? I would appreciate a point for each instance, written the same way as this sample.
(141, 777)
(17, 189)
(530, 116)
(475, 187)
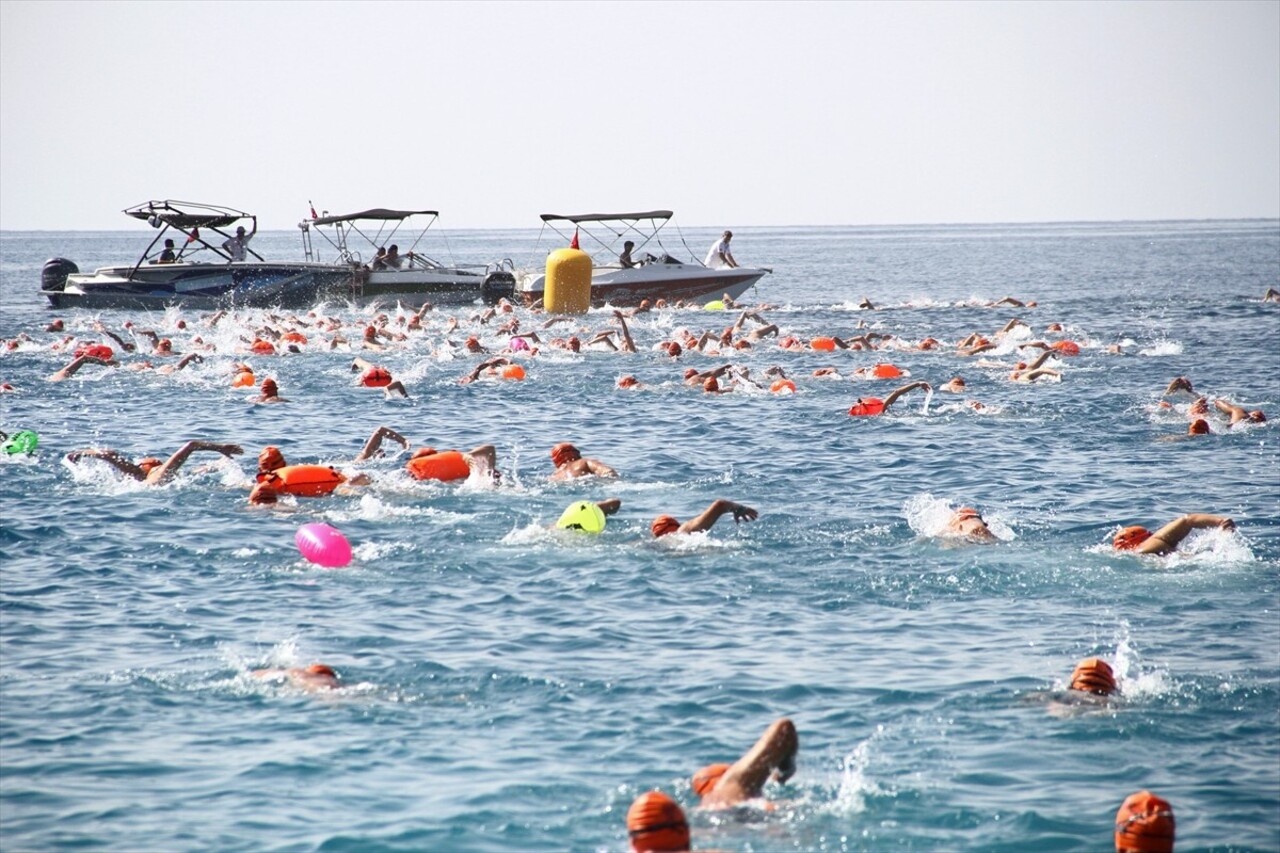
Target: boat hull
(444, 286)
(672, 282)
(204, 286)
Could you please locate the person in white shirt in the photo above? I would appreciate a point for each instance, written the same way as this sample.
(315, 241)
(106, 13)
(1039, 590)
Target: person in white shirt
(720, 257)
(237, 246)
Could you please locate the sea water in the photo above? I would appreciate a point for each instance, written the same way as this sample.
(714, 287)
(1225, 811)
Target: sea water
(513, 688)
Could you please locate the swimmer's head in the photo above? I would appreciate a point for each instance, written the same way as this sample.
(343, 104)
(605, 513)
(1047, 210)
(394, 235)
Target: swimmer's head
(1198, 427)
(656, 823)
(564, 453)
(689, 373)
(1130, 538)
(321, 670)
(957, 382)
(664, 524)
(742, 344)
(645, 304)
(1144, 824)
(1094, 675)
(149, 463)
(269, 388)
(673, 349)
(965, 513)
(1200, 407)
(706, 778)
(1257, 416)
(164, 345)
(473, 344)
(710, 385)
(264, 493)
(270, 458)
(628, 382)
(574, 343)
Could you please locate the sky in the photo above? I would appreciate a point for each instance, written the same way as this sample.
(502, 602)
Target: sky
(731, 114)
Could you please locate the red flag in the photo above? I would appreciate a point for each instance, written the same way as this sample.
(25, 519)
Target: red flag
(574, 243)
(313, 209)
(194, 235)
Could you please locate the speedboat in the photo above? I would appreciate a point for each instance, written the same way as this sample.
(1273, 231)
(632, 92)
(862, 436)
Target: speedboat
(360, 240)
(197, 271)
(658, 273)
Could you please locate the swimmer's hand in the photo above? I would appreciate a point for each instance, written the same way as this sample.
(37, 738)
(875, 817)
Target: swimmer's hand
(742, 512)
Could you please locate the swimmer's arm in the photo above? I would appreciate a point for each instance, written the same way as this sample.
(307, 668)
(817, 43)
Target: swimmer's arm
(598, 468)
(124, 345)
(628, 345)
(1167, 538)
(111, 457)
(889, 401)
(174, 462)
(375, 442)
(774, 752)
(712, 514)
(74, 367)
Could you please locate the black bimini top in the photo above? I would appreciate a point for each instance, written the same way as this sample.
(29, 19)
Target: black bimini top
(375, 213)
(606, 217)
(186, 214)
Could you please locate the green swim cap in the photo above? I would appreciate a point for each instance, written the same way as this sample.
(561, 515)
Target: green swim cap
(582, 515)
(22, 441)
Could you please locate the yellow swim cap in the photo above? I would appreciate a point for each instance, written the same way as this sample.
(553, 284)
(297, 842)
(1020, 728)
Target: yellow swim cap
(582, 515)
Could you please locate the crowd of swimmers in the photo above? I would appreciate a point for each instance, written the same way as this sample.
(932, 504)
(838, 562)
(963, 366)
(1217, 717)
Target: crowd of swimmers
(655, 821)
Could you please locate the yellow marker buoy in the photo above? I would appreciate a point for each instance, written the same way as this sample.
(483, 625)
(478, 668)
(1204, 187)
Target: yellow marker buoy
(582, 515)
(568, 282)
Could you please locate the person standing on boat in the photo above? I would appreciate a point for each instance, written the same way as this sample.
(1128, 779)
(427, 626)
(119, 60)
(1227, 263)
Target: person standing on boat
(720, 257)
(237, 246)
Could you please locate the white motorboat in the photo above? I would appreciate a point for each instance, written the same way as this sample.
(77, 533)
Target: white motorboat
(657, 275)
(199, 272)
(359, 241)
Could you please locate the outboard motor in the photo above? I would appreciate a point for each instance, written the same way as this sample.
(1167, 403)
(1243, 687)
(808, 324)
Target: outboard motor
(54, 275)
(499, 284)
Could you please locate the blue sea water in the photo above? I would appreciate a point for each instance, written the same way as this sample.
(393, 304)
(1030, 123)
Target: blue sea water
(513, 688)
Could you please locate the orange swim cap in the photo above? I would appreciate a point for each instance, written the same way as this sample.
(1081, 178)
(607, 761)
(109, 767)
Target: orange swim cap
(673, 349)
(1094, 675)
(664, 524)
(1198, 427)
(782, 385)
(1200, 407)
(1144, 824)
(656, 823)
(263, 347)
(967, 512)
(563, 453)
(710, 384)
(706, 778)
(627, 382)
(742, 344)
(886, 371)
(1067, 347)
(513, 371)
(270, 458)
(294, 337)
(150, 462)
(269, 388)
(1130, 538)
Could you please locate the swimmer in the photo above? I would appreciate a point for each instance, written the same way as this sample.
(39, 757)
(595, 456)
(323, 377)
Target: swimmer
(968, 523)
(1166, 539)
(485, 368)
(1031, 372)
(372, 447)
(80, 361)
(571, 464)
(1272, 295)
(1180, 383)
(153, 470)
(1094, 676)
(664, 524)
(270, 393)
(312, 679)
(875, 406)
(656, 824)
(1144, 824)
(631, 382)
(954, 385)
(724, 786)
(1238, 414)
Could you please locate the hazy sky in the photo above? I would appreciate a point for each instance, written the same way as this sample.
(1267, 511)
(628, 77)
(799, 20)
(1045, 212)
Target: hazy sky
(734, 114)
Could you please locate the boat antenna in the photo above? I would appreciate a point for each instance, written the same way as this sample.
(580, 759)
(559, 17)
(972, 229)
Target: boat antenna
(684, 242)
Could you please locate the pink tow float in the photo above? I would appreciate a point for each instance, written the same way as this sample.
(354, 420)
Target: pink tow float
(323, 545)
